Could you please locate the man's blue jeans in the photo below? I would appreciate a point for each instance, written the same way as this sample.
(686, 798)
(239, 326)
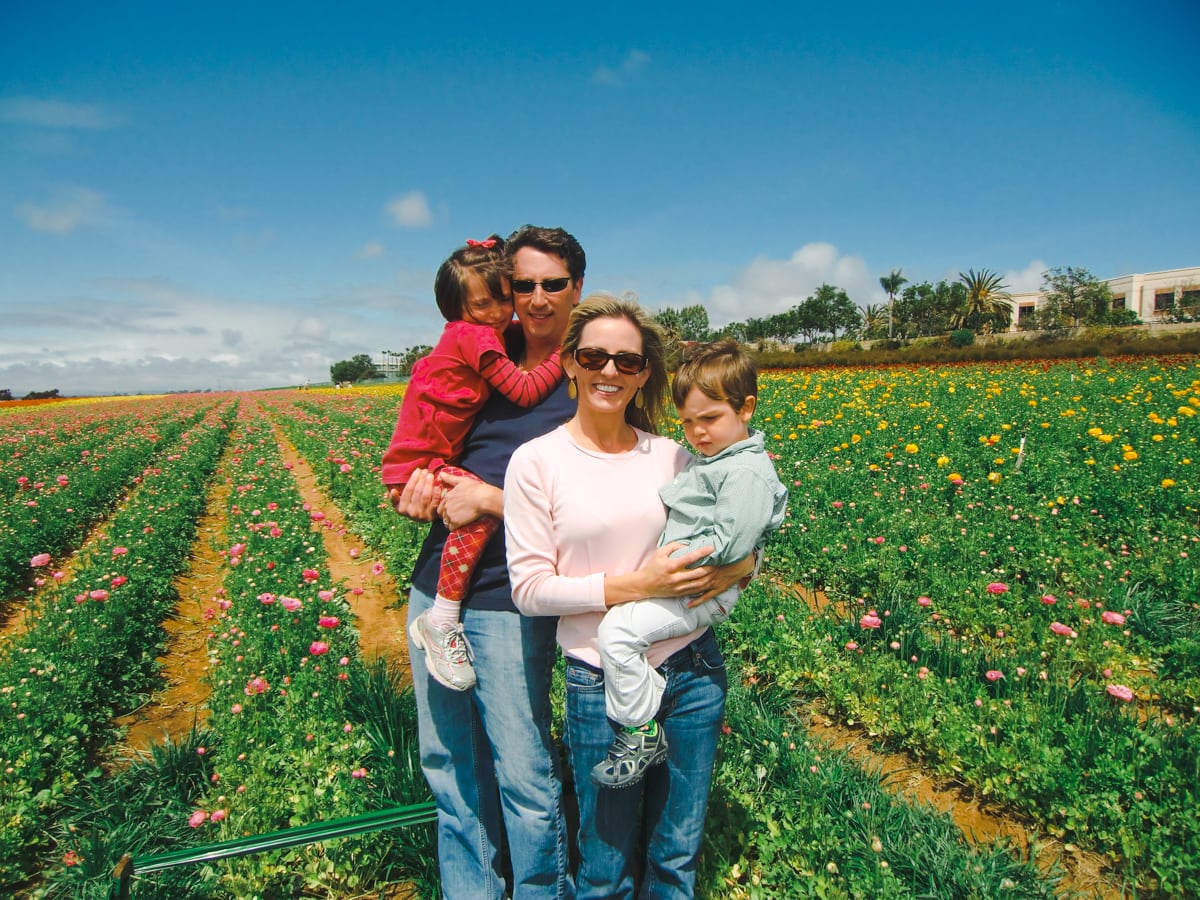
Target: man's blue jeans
(672, 798)
(489, 758)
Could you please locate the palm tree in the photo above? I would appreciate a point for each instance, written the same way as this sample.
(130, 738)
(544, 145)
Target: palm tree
(872, 318)
(891, 284)
(987, 300)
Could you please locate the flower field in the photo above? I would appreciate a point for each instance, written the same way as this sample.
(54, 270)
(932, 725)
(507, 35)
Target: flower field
(990, 568)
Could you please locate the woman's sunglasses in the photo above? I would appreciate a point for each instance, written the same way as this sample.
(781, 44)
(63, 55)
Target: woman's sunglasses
(550, 285)
(594, 359)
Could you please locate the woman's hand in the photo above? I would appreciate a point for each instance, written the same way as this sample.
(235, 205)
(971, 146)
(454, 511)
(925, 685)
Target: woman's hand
(466, 499)
(725, 577)
(663, 575)
(419, 498)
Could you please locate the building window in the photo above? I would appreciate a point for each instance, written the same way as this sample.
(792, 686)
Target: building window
(1024, 314)
(1118, 302)
(1190, 297)
(1164, 300)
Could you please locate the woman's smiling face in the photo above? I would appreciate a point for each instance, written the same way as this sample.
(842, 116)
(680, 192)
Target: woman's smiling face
(606, 390)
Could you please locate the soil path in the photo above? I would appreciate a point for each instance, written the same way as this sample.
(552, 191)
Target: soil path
(182, 703)
(1084, 874)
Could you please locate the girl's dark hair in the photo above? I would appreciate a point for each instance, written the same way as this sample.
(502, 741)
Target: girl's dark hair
(484, 259)
(650, 415)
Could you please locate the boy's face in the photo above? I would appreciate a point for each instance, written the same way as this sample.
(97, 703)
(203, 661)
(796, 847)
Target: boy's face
(713, 425)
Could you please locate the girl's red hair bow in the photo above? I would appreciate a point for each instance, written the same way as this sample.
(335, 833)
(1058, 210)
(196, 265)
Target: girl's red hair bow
(486, 245)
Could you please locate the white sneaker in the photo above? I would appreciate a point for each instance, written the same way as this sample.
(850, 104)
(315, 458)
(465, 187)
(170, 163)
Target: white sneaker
(447, 653)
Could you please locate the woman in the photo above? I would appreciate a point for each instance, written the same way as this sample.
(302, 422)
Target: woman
(582, 519)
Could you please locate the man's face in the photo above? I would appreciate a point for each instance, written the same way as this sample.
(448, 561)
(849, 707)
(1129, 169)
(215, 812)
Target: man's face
(543, 313)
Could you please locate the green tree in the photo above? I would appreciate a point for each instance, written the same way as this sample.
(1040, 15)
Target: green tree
(891, 284)
(925, 309)
(410, 356)
(687, 324)
(1076, 295)
(987, 301)
(353, 370)
(874, 321)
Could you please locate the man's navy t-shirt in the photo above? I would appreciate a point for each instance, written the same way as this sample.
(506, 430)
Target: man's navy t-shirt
(499, 429)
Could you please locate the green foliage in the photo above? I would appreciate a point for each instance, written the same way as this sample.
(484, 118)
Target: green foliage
(963, 337)
(357, 368)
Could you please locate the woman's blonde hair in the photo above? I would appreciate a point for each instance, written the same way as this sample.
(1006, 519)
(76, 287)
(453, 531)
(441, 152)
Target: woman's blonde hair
(650, 415)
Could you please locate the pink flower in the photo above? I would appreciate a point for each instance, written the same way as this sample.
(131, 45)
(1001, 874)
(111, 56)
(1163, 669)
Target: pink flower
(354, 551)
(257, 685)
(359, 773)
(197, 818)
(120, 551)
(1120, 692)
(1112, 618)
(291, 604)
(377, 569)
(870, 620)
(923, 601)
(318, 648)
(42, 559)
(1049, 599)
(1060, 629)
(851, 645)
(266, 599)
(329, 621)
(837, 504)
(236, 708)
(326, 595)
(218, 815)
(345, 468)
(119, 580)
(993, 674)
(997, 587)
(98, 594)
(311, 575)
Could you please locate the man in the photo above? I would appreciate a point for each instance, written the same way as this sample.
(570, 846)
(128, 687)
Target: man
(487, 753)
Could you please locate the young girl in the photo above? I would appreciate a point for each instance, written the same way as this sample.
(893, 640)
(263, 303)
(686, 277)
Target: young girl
(446, 391)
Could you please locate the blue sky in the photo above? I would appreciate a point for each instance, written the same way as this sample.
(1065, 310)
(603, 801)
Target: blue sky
(237, 195)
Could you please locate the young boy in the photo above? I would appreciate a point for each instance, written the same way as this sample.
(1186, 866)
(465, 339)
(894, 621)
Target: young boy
(729, 498)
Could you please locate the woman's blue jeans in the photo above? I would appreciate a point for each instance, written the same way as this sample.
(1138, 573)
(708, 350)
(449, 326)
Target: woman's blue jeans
(490, 761)
(669, 803)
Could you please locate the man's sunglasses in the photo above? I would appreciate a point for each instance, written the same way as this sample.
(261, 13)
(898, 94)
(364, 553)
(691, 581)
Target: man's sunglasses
(594, 359)
(550, 285)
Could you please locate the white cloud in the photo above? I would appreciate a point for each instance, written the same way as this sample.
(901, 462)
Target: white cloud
(770, 286)
(370, 250)
(66, 212)
(57, 114)
(411, 210)
(1027, 280)
(618, 76)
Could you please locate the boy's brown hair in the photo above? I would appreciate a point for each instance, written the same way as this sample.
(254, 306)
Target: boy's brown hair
(721, 371)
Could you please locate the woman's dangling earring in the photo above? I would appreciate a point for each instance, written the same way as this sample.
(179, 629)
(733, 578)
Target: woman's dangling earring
(638, 400)
(572, 391)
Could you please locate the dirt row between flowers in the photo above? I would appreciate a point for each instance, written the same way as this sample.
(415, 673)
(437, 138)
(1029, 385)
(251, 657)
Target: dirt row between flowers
(182, 702)
(1084, 874)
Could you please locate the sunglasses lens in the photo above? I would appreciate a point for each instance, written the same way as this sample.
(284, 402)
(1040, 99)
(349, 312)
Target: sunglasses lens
(629, 363)
(593, 359)
(550, 285)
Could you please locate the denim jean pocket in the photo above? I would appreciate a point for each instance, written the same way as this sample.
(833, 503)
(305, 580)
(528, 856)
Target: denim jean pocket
(707, 654)
(583, 678)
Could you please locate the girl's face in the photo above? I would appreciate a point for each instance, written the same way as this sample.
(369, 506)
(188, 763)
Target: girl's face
(481, 308)
(607, 390)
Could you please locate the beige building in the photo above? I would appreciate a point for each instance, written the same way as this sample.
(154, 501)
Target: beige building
(1153, 295)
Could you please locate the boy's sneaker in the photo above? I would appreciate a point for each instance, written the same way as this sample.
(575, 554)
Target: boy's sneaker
(447, 654)
(629, 756)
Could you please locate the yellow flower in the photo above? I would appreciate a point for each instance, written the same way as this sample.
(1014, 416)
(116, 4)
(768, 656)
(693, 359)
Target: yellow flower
(942, 461)
(1168, 482)
(1186, 411)
(1130, 455)
(954, 476)
(855, 438)
(911, 448)
(994, 477)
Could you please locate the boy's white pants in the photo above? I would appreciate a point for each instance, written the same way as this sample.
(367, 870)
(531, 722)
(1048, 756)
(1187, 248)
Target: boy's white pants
(632, 688)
